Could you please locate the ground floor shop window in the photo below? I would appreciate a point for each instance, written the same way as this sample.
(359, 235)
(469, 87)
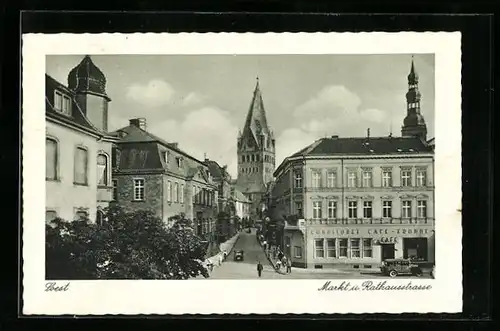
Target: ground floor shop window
(319, 247)
(355, 248)
(342, 247)
(367, 248)
(331, 248)
(415, 248)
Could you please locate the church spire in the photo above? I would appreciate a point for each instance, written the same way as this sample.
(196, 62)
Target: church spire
(414, 122)
(256, 122)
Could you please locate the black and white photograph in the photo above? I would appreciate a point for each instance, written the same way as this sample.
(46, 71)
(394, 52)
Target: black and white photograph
(250, 167)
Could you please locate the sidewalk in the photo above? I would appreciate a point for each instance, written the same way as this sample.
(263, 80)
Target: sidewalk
(217, 259)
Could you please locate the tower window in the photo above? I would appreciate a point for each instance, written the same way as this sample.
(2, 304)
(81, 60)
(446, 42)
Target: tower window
(258, 158)
(253, 157)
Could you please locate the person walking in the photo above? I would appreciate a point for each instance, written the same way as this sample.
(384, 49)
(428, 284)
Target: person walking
(259, 269)
(288, 266)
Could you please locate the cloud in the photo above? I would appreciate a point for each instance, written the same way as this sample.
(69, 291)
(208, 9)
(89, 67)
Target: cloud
(206, 130)
(334, 110)
(192, 99)
(154, 93)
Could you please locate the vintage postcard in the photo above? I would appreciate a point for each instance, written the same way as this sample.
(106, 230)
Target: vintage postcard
(242, 173)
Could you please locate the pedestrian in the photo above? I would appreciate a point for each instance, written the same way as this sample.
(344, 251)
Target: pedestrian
(278, 264)
(280, 255)
(220, 259)
(259, 268)
(288, 266)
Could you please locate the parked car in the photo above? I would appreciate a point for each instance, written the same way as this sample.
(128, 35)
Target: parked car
(238, 255)
(395, 267)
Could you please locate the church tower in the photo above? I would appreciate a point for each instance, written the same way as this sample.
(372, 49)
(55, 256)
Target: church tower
(89, 84)
(256, 152)
(414, 123)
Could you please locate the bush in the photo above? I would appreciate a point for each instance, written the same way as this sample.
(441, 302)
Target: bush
(135, 245)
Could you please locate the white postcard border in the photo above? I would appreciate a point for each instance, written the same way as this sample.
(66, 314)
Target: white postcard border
(245, 296)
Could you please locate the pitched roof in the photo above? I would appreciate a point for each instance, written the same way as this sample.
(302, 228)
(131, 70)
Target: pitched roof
(87, 77)
(239, 196)
(76, 117)
(256, 121)
(365, 146)
(134, 134)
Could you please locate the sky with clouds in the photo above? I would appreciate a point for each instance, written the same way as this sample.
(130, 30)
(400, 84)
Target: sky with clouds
(201, 101)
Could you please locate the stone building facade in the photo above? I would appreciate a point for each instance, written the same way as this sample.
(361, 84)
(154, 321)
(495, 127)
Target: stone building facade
(78, 147)
(256, 155)
(152, 174)
(358, 201)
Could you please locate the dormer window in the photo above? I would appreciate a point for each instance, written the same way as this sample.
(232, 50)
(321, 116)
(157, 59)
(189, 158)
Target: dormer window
(179, 162)
(62, 102)
(165, 156)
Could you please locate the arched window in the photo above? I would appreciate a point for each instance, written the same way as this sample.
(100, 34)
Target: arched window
(51, 159)
(102, 169)
(100, 217)
(258, 158)
(81, 166)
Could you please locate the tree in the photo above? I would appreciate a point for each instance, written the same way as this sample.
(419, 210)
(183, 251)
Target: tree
(128, 245)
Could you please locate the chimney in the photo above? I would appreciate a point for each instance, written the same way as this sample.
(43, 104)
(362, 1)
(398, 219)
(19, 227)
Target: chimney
(368, 133)
(335, 137)
(205, 157)
(139, 123)
(174, 145)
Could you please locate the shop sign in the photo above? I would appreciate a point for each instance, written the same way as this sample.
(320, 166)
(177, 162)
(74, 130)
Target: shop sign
(378, 232)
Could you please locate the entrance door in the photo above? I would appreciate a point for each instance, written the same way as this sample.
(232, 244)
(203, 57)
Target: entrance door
(387, 251)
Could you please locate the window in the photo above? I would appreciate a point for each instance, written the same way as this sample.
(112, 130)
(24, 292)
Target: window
(331, 179)
(342, 247)
(169, 191)
(253, 157)
(298, 252)
(331, 250)
(50, 215)
(319, 248)
(406, 178)
(258, 158)
(355, 247)
(165, 156)
(421, 178)
(66, 105)
(138, 189)
(81, 215)
(115, 189)
(367, 209)
(203, 197)
(195, 194)
(406, 209)
(316, 179)
(298, 179)
(176, 192)
(387, 209)
(386, 178)
(367, 248)
(51, 159)
(81, 166)
(317, 209)
(181, 195)
(298, 208)
(332, 209)
(351, 179)
(58, 100)
(179, 162)
(422, 208)
(353, 209)
(102, 169)
(367, 179)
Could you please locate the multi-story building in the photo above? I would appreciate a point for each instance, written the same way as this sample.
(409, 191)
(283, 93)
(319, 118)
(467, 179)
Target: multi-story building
(359, 201)
(256, 155)
(241, 203)
(150, 173)
(78, 148)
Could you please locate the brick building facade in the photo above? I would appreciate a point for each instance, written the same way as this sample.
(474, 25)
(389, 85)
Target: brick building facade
(150, 173)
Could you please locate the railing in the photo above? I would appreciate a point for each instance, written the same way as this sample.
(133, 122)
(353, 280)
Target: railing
(361, 221)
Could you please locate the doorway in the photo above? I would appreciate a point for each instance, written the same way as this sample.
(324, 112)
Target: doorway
(387, 251)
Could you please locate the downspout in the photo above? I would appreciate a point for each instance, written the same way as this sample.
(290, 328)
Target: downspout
(304, 204)
(342, 186)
